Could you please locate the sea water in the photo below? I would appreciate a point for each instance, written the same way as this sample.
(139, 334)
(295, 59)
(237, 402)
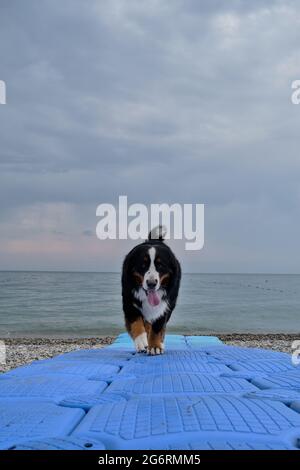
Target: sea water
(63, 304)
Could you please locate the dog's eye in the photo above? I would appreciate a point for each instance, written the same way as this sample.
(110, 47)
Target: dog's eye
(143, 265)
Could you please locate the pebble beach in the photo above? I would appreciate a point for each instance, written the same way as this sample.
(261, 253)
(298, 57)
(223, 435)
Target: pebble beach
(20, 351)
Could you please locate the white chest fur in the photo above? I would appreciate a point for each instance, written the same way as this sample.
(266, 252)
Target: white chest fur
(149, 312)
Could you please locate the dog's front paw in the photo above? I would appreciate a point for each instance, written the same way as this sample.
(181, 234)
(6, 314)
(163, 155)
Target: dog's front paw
(155, 350)
(141, 343)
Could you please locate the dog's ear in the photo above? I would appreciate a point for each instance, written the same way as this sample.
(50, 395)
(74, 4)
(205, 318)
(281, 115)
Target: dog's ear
(174, 269)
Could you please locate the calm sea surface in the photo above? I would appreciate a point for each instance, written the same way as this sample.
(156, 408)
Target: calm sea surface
(89, 304)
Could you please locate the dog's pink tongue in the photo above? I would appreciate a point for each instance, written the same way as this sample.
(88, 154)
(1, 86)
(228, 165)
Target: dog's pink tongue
(153, 298)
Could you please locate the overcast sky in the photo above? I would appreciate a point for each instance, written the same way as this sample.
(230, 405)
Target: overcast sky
(163, 101)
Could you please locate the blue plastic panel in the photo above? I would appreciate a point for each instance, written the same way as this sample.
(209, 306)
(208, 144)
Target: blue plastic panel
(152, 423)
(266, 367)
(83, 369)
(20, 419)
(101, 356)
(124, 341)
(60, 443)
(179, 383)
(296, 406)
(178, 366)
(229, 354)
(284, 395)
(194, 396)
(175, 338)
(198, 341)
(285, 380)
(172, 356)
(86, 401)
(48, 387)
(229, 443)
(98, 353)
(116, 347)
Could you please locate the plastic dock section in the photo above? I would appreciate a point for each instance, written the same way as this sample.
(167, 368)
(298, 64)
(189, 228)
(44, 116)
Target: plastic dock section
(200, 394)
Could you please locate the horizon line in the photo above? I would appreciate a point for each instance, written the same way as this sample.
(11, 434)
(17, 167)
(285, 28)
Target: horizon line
(119, 272)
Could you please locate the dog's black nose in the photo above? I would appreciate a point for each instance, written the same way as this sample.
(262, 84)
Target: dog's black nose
(151, 284)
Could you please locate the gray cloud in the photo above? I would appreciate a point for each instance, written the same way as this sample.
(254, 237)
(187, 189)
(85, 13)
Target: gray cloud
(180, 101)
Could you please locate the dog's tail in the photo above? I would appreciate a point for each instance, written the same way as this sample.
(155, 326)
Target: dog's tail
(158, 233)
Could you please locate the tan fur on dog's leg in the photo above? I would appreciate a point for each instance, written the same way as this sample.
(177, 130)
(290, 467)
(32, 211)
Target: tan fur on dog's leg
(148, 328)
(138, 333)
(156, 342)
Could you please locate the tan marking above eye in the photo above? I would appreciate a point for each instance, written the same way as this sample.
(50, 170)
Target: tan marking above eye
(158, 260)
(145, 258)
(138, 277)
(164, 278)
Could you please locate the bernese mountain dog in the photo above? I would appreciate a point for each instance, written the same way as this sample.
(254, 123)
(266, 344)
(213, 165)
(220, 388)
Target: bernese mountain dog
(150, 283)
